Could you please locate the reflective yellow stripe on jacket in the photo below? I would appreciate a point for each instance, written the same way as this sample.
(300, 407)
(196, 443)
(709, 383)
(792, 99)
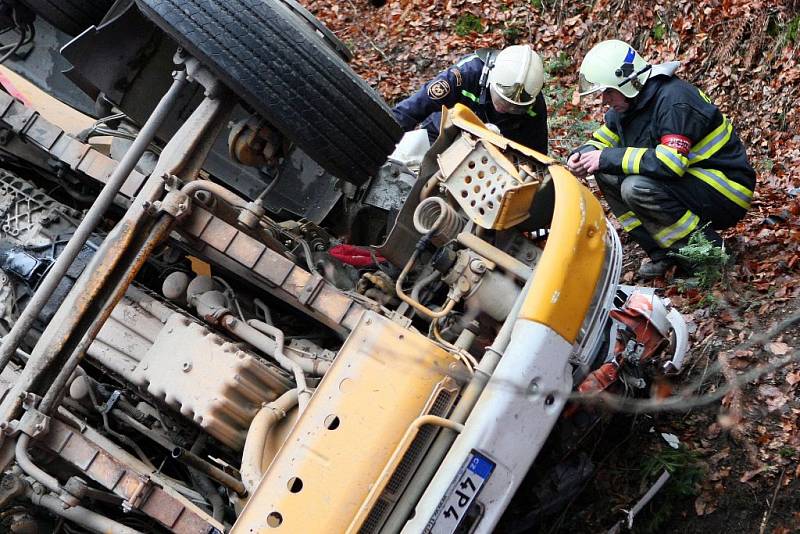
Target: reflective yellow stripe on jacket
(706, 148)
(672, 159)
(597, 144)
(469, 95)
(606, 136)
(685, 225)
(631, 160)
(629, 221)
(735, 192)
(712, 143)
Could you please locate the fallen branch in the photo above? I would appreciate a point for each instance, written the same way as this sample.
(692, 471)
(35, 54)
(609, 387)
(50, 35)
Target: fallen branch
(680, 402)
(768, 513)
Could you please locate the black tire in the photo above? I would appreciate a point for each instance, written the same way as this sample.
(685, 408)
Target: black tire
(317, 26)
(70, 16)
(275, 63)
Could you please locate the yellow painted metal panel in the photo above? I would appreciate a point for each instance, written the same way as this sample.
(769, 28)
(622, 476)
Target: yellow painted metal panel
(380, 382)
(515, 205)
(451, 388)
(567, 273)
(199, 266)
(464, 118)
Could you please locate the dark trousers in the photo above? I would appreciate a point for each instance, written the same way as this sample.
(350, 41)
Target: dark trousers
(660, 215)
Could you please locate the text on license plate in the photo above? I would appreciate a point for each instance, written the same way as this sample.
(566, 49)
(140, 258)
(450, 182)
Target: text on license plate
(460, 495)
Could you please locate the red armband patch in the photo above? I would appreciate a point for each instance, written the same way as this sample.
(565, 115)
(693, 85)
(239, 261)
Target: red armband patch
(681, 143)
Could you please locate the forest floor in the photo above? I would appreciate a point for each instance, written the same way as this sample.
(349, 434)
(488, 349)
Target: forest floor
(736, 468)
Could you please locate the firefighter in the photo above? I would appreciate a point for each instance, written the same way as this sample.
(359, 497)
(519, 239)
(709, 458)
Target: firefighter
(668, 162)
(502, 88)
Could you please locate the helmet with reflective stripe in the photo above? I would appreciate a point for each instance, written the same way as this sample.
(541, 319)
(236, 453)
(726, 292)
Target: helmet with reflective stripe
(613, 65)
(517, 75)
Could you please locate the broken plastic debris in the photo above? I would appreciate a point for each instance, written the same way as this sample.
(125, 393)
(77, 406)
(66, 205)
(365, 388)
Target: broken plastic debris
(671, 439)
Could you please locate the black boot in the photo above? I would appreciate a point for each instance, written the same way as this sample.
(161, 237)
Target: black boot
(660, 262)
(655, 268)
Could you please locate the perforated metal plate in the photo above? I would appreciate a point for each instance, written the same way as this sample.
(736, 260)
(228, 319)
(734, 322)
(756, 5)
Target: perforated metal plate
(486, 184)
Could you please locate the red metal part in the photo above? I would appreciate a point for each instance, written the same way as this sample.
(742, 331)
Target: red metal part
(642, 329)
(355, 256)
(600, 379)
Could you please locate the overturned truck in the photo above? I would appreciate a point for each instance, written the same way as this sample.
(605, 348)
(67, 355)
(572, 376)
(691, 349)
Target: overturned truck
(250, 311)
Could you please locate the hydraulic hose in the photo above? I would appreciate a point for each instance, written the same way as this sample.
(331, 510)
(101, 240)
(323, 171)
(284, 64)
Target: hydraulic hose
(264, 421)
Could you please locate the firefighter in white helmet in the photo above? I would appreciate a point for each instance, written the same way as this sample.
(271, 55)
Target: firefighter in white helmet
(502, 88)
(667, 160)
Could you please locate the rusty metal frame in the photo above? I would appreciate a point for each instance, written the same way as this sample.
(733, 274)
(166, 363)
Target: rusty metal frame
(116, 471)
(87, 226)
(121, 255)
(224, 244)
(32, 128)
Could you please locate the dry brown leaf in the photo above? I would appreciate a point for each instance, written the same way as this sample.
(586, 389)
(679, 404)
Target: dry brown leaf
(749, 475)
(778, 348)
(739, 363)
(704, 504)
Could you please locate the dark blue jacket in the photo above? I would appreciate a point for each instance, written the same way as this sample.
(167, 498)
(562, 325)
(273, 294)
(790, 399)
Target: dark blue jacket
(461, 84)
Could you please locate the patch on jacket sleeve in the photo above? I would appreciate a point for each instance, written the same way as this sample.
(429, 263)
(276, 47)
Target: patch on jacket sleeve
(439, 89)
(680, 143)
(457, 75)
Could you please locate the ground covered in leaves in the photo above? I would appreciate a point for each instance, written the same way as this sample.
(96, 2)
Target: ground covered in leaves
(736, 467)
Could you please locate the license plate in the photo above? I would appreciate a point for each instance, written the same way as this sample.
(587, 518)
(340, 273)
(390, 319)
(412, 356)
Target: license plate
(460, 495)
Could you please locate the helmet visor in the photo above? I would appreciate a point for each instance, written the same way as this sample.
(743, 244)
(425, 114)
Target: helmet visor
(514, 94)
(585, 87)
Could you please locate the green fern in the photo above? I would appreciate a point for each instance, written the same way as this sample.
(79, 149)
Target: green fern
(704, 258)
(686, 473)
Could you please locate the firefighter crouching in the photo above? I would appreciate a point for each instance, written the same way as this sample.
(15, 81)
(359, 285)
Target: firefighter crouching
(667, 160)
(502, 88)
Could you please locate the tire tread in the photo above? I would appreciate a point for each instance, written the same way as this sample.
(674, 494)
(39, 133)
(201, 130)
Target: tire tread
(278, 66)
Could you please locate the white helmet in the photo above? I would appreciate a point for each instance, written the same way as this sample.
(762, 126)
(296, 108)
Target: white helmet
(613, 65)
(517, 75)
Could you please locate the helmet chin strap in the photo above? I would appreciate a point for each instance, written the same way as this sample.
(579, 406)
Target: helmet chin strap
(633, 79)
(488, 65)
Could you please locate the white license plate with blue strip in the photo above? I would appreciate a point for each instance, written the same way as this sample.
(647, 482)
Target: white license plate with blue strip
(461, 494)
